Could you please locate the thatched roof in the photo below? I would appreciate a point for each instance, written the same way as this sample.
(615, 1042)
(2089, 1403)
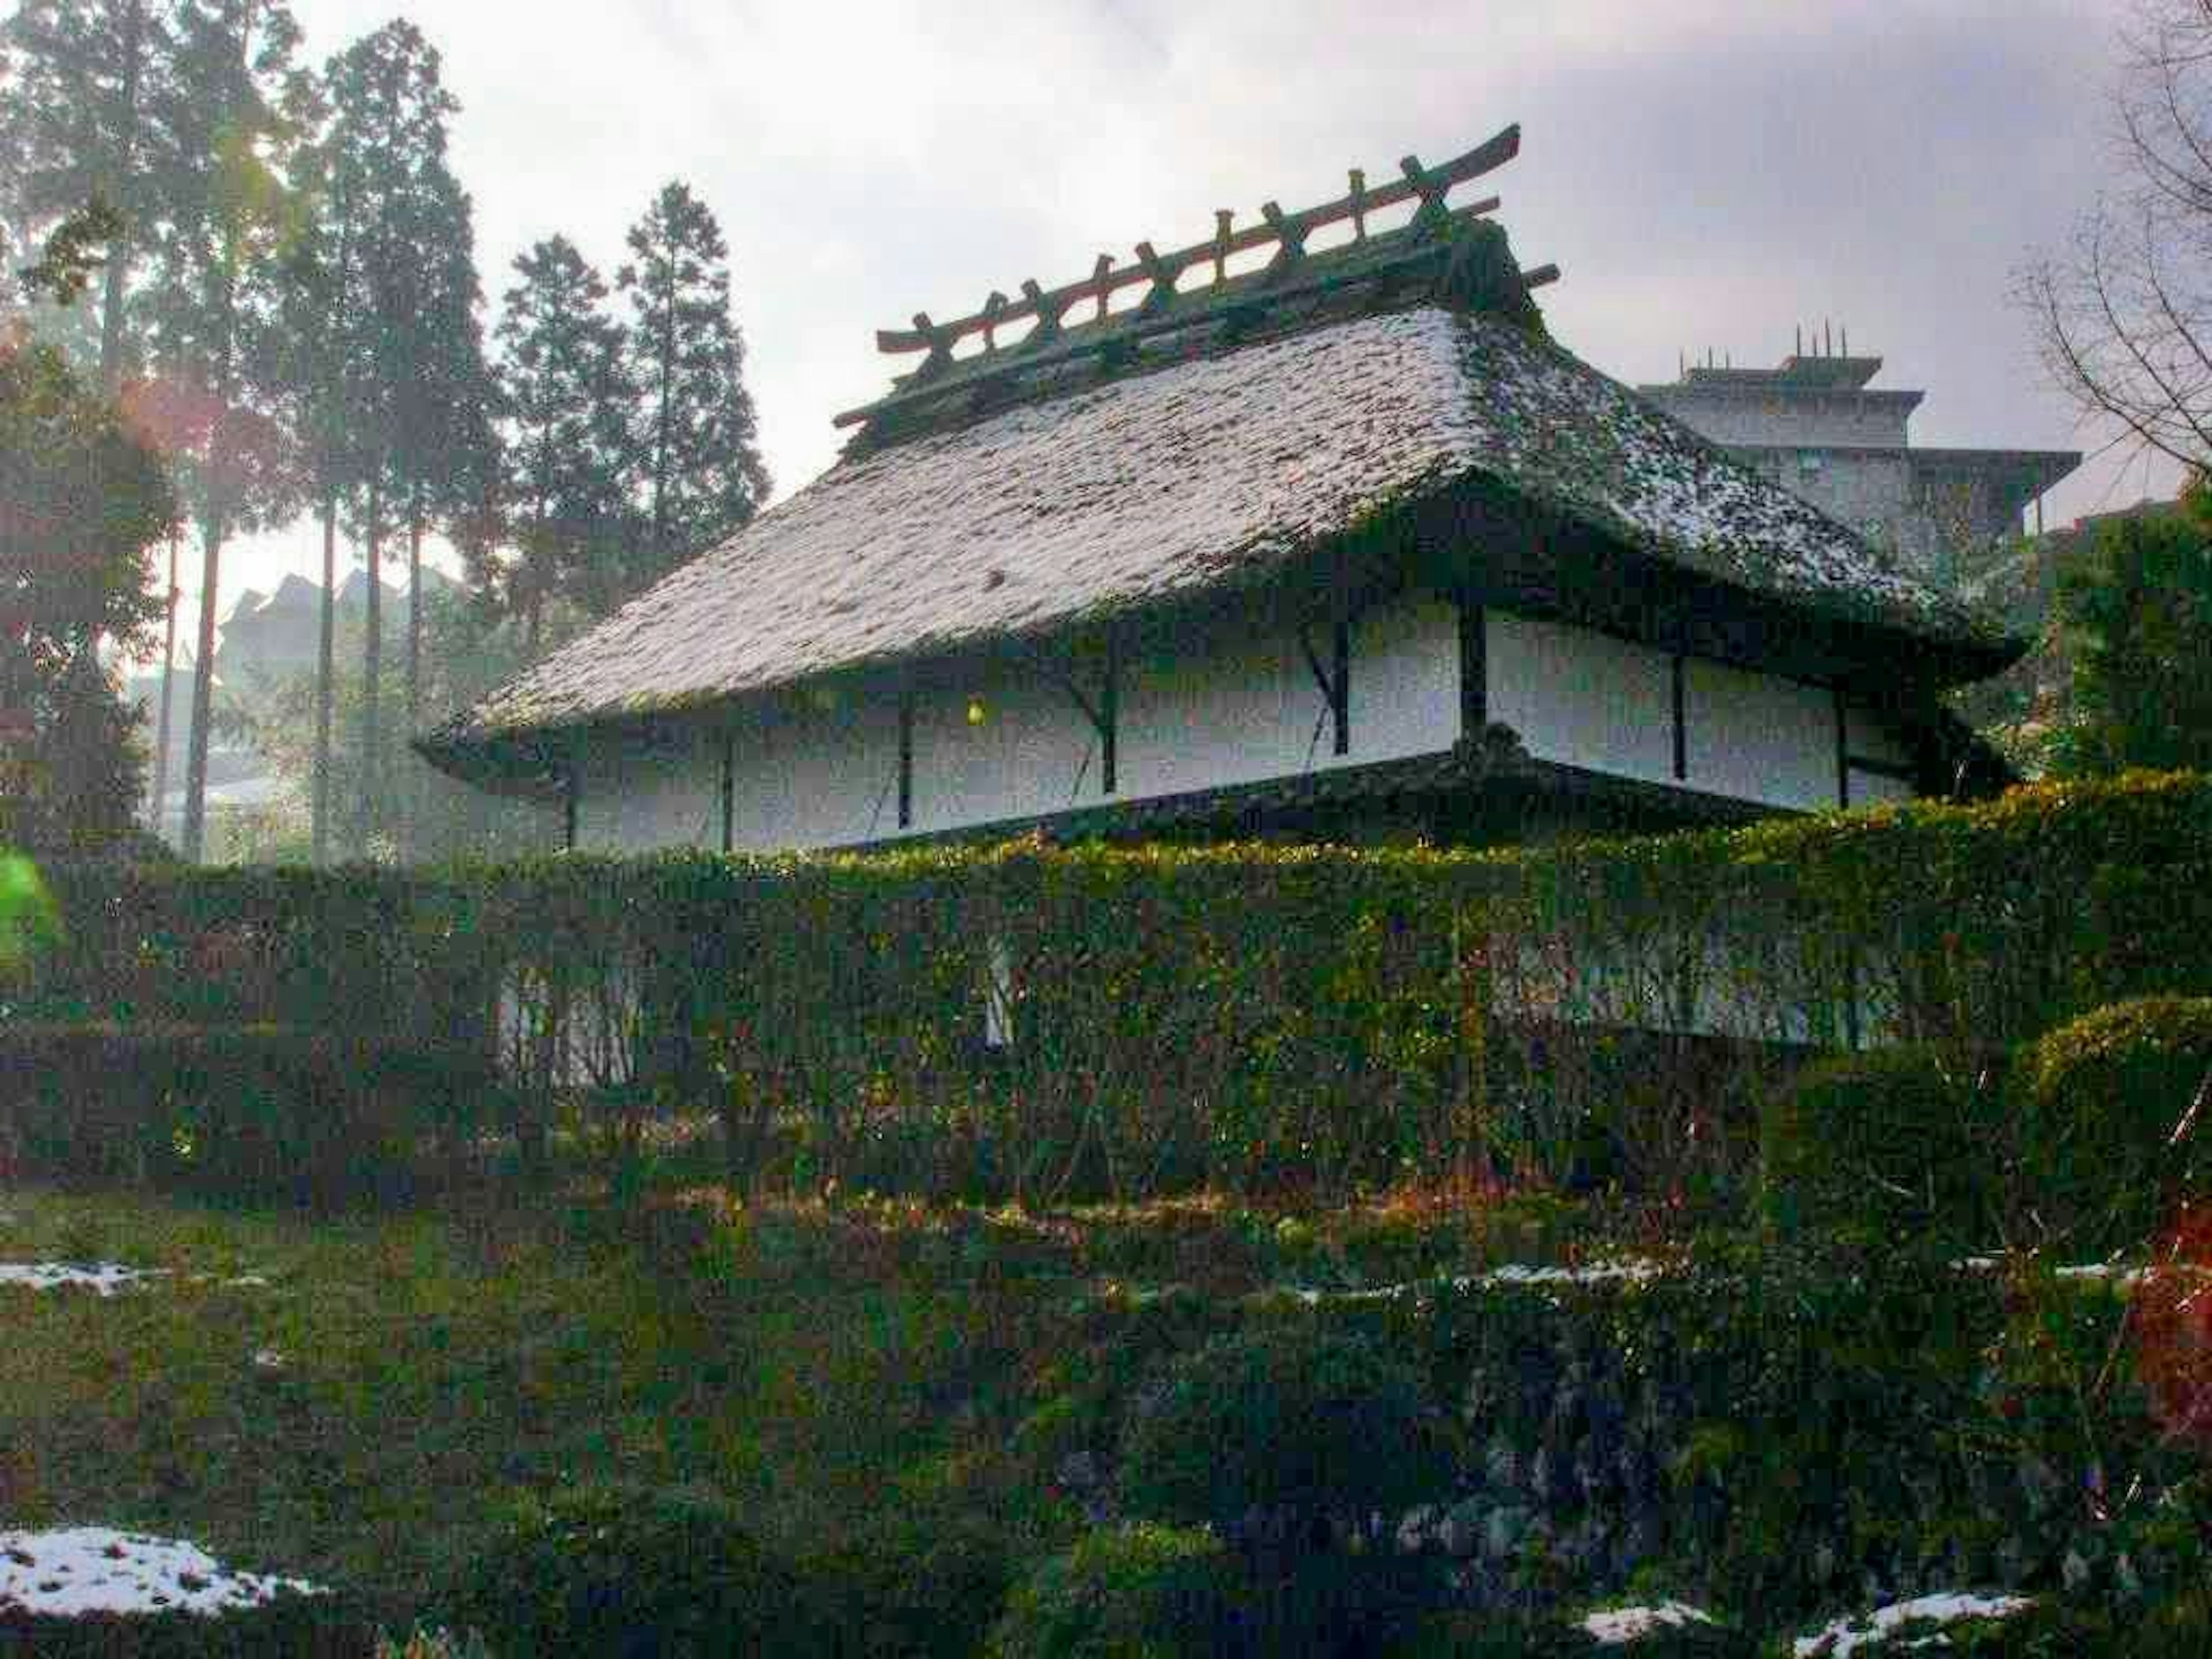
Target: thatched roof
(1216, 470)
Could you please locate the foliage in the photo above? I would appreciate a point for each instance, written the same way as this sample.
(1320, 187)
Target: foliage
(432, 1642)
(467, 650)
(82, 498)
(1135, 1591)
(628, 1573)
(253, 1112)
(570, 406)
(1256, 1019)
(697, 449)
(64, 268)
(292, 1627)
(1910, 1142)
(1491, 1636)
(2119, 1134)
(212, 298)
(27, 918)
(1293, 1425)
(2140, 617)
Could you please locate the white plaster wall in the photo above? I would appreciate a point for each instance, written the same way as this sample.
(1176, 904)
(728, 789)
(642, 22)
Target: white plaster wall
(1231, 709)
(1405, 681)
(1244, 706)
(1756, 738)
(636, 797)
(1034, 752)
(1582, 698)
(817, 769)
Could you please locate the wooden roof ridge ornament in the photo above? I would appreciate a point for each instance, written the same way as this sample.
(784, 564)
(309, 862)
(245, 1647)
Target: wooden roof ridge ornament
(1242, 301)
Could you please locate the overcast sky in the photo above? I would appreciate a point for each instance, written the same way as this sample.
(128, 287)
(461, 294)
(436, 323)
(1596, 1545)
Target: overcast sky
(1707, 173)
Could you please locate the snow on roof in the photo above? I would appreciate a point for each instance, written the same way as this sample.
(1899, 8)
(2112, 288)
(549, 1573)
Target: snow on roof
(1210, 473)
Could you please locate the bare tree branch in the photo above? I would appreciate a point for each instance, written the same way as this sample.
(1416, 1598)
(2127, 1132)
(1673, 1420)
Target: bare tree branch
(2122, 317)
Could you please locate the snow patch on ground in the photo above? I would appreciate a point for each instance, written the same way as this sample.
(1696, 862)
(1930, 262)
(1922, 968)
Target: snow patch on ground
(1618, 1626)
(104, 1277)
(1628, 1270)
(1846, 1636)
(79, 1569)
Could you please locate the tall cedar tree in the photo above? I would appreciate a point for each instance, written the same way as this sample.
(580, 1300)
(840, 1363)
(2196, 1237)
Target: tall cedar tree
(698, 447)
(569, 407)
(82, 499)
(225, 216)
(81, 120)
(317, 361)
(406, 307)
(2141, 620)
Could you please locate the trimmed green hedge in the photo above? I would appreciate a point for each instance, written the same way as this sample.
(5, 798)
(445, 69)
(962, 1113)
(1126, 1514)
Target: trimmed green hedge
(2116, 1139)
(1913, 1140)
(290, 1627)
(1245, 1016)
(257, 1112)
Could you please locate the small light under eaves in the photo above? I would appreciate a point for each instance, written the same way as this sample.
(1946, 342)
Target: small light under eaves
(978, 714)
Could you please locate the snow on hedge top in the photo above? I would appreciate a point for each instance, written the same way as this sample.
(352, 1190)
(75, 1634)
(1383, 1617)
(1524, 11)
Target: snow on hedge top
(1846, 1636)
(1621, 1626)
(104, 1278)
(79, 1570)
(1206, 473)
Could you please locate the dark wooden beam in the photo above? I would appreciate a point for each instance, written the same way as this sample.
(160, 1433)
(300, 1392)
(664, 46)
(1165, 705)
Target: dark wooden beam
(1339, 700)
(1430, 184)
(1681, 718)
(1843, 750)
(729, 793)
(906, 759)
(1473, 670)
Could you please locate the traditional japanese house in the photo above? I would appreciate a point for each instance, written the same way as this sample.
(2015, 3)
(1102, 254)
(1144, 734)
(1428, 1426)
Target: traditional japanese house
(1307, 528)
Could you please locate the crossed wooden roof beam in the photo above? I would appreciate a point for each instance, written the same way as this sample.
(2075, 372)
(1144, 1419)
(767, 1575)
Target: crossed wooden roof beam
(1433, 218)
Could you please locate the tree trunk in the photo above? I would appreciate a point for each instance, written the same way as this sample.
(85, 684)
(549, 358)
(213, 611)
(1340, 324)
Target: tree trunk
(118, 250)
(326, 677)
(371, 654)
(408, 814)
(668, 417)
(196, 757)
(161, 726)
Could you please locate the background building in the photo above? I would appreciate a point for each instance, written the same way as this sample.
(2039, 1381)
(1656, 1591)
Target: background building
(1818, 427)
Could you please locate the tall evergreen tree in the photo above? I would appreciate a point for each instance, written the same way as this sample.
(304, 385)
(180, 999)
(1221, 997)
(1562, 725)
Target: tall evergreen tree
(316, 361)
(697, 449)
(393, 287)
(86, 84)
(569, 406)
(83, 500)
(224, 219)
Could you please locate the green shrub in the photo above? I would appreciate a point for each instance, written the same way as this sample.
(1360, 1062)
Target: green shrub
(607, 1570)
(290, 1627)
(1906, 1140)
(1249, 1017)
(924, 1585)
(1493, 1636)
(2108, 1093)
(1296, 1423)
(255, 1112)
(1138, 1591)
(432, 1642)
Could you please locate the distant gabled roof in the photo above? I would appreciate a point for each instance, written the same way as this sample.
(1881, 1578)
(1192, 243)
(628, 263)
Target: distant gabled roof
(1210, 473)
